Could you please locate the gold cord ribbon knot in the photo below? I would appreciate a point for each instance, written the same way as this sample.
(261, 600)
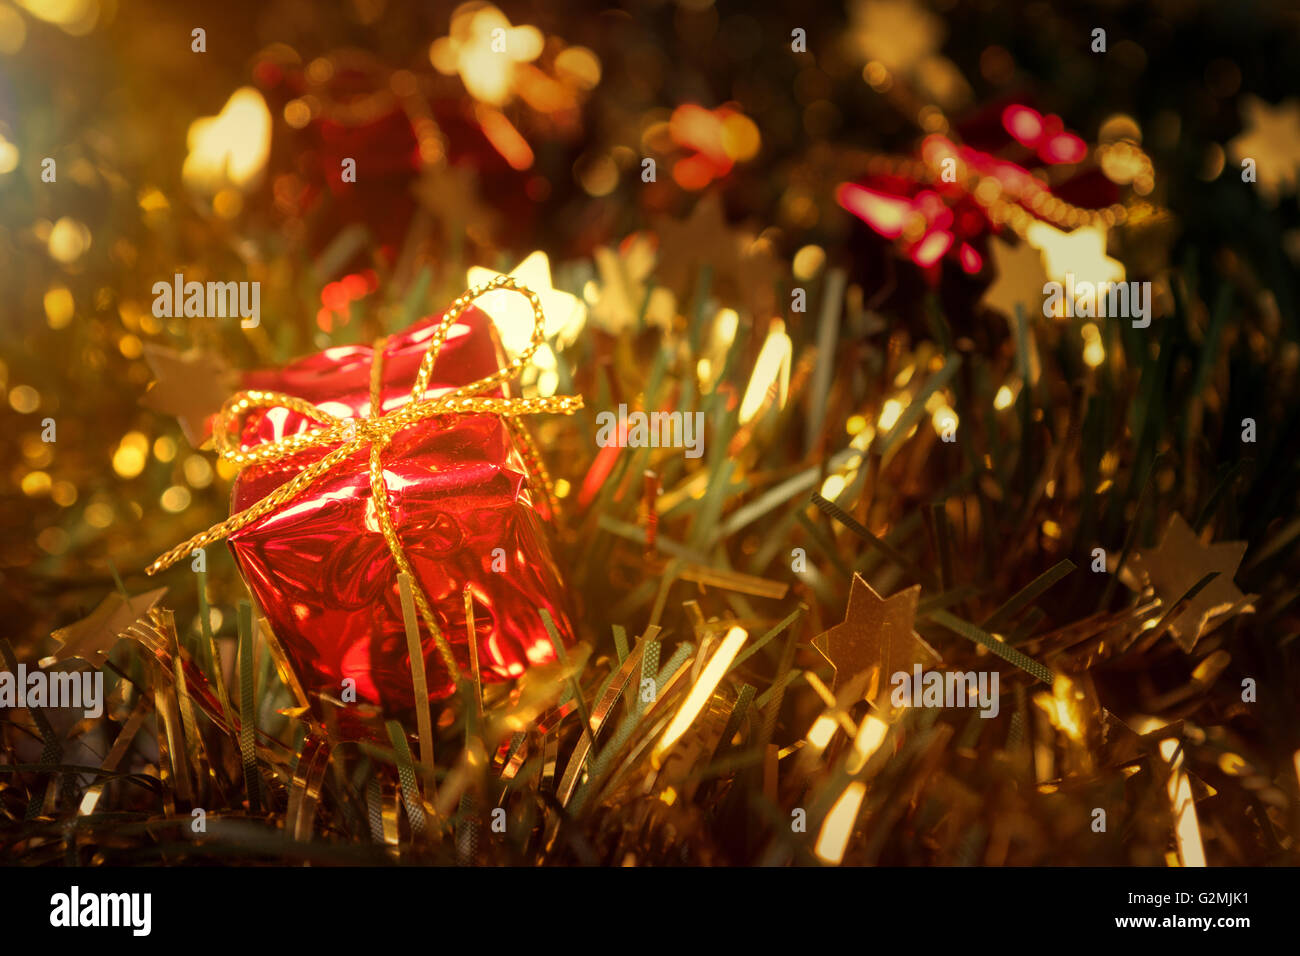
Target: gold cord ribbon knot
(376, 431)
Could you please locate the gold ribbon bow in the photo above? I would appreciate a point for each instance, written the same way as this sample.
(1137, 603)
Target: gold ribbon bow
(376, 431)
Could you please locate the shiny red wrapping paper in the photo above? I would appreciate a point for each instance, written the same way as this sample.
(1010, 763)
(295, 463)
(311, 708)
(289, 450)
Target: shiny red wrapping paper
(461, 499)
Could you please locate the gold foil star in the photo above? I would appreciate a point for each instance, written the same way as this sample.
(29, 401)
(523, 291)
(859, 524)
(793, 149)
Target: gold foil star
(513, 316)
(876, 635)
(191, 386)
(898, 34)
(1020, 278)
(1180, 560)
(1080, 252)
(741, 265)
(485, 48)
(901, 37)
(625, 272)
(451, 193)
(1272, 140)
(702, 238)
(94, 636)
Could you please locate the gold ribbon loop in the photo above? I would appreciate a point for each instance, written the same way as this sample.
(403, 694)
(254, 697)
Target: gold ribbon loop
(351, 435)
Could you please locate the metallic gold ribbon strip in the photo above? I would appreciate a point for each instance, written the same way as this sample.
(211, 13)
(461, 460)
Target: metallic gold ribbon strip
(120, 746)
(533, 459)
(306, 787)
(167, 702)
(392, 806)
(375, 809)
(247, 710)
(423, 719)
(169, 759)
(406, 775)
(733, 581)
(545, 724)
(471, 638)
(189, 726)
(599, 714)
(284, 668)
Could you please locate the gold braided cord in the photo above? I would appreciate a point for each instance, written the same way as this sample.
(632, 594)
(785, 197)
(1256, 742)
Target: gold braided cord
(379, 493)
(536, 466)
(991, 195)
(375, 432)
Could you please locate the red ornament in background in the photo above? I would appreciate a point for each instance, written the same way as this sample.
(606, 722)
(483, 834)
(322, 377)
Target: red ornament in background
(395, 125)
(927, 208)
(461, 498)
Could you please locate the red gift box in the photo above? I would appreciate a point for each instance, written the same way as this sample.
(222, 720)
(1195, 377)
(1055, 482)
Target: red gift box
(466, 507)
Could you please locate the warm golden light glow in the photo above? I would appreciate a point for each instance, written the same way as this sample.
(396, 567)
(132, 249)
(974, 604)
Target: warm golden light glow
(164, 448)
(579, 66)
(513, 316)
(24, 399)
(944, 420)
(722, 334)
(484, 49)
(198, 471)
(231, 148)
(98, 514)
(505, 137)
(838, 825)
(771, 370)
(69, 240)
(58, 306)
(708, 681)
(1062, 707)
(808, 261)
(1232, 764)
(1080, 252)
(820, 733)
(1093, 352)
(889, 414)
(8, 151)
(871, 734)
(1187, 830)
(131, 455)
(833, 487)
(36, 483)
(75, 17)
(175, 499)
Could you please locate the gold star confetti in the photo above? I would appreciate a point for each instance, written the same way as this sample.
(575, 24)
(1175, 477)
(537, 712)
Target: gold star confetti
(741, 265)
(876, 635)
(94, 635)
(1019, 278)
(485, 49)
(1080, 252)
(686, 244)
(565, 313)
(1272, 140)
(451, 193)
(624, 273)
(898, 34)
(1144, 240)
(191, 386)
(231, 148)
(1180, 560)
(902, 38)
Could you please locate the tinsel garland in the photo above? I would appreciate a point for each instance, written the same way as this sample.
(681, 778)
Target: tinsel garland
(696, 723)
(895, 479)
